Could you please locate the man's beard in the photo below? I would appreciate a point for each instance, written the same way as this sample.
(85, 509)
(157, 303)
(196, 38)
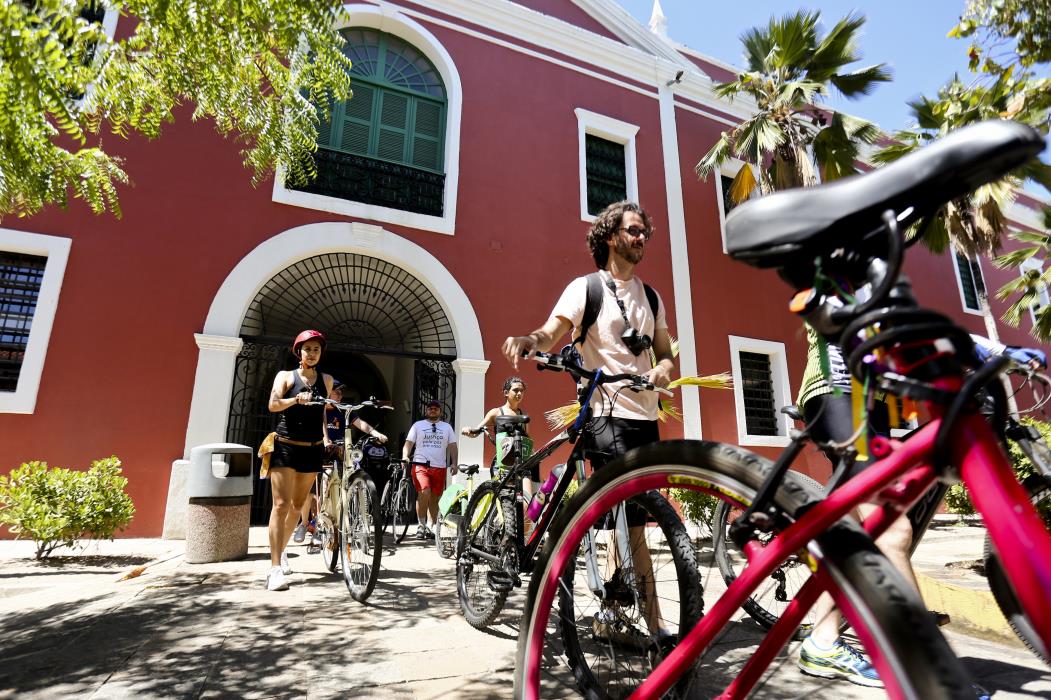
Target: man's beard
(632, 254)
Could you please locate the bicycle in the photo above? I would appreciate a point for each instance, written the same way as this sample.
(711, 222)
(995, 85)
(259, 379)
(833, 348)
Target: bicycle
(890, 344)
(451, 509)
(632, 578)
(350, 500)
(398, 503)
(767, 603)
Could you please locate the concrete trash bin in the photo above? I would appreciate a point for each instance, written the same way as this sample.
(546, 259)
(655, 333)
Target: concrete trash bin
(219, 488)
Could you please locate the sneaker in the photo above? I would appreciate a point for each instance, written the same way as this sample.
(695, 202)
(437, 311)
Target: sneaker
(841, 661)
(275, 580)
(421, 533)
(300, 534)
(428, 533)
(286, 568)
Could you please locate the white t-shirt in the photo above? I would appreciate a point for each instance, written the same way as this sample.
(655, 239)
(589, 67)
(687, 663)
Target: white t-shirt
(603, 349)
(431, 441)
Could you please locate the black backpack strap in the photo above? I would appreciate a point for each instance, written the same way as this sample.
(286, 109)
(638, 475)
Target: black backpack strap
(651, 296)
(592, 305)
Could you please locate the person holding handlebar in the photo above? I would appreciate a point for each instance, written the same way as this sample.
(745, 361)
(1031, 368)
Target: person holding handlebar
(514, 391)
(616, 320)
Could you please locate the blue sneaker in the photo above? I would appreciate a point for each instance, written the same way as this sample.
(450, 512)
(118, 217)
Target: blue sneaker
(841, 661)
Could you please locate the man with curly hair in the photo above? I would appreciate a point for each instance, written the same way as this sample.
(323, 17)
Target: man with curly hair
(630, 321)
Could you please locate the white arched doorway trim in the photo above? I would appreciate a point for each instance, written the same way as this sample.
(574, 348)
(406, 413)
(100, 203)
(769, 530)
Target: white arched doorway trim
(219, 343)
(389, 20)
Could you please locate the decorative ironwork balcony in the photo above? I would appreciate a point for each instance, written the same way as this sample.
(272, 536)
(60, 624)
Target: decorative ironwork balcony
(370, 181)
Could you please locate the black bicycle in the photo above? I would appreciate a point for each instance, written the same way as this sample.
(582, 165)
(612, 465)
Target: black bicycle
(767, 604)
(398, 503)
(633, 588)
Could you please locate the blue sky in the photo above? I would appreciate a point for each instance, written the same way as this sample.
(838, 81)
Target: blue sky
(907, 35)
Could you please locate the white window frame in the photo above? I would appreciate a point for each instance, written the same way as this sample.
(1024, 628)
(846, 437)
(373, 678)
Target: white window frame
(782, 389)
(1043, 295)
(612, 130)
(389, 20)
(729, 169)
(959, 280)
(56, 250)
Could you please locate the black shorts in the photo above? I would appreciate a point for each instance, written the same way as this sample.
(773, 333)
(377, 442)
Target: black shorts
(612, 437)
(303, 458)
(831, 419)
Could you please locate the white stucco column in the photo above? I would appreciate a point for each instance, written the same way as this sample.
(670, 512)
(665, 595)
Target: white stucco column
(212, 388)
(470, 405)
(209, 411)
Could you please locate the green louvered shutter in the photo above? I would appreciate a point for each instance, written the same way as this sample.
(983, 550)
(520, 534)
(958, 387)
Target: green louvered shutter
(357, 120)
(427, 134)
(393, 127)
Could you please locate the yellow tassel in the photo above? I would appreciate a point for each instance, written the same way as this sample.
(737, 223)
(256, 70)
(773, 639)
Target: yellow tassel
(666, 409)
(558, 418)
(893, 417)
(857, 400)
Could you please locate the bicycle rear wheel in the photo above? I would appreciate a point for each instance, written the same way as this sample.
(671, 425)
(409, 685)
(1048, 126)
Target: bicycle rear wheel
(447, 532)
(890, 619)
(361, 534)
(386, 505)
(770, 599)
(404, 509)
(482, 584)
(326, 524)
(1040, 495)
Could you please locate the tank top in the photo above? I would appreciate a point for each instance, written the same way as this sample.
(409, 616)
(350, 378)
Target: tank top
(519, 412)
(299, 422)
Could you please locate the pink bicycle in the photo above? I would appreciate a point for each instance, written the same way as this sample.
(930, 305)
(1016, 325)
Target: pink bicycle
(824, 241)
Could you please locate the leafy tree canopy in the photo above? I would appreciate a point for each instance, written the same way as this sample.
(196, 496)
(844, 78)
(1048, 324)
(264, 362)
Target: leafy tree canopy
(256, 68)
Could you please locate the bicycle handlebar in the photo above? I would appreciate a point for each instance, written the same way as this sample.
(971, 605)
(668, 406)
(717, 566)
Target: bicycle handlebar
(562, 363)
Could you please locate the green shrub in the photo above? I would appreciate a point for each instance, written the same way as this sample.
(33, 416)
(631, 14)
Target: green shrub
(56, 507)
(957, 500)
(696, 506)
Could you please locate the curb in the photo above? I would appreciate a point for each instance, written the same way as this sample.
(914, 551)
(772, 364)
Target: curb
(972, 611)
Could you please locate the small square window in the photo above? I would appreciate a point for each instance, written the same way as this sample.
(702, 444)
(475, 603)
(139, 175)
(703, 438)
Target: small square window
(761, 388)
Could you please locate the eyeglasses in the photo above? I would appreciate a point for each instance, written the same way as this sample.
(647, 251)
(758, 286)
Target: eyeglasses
(635, 231)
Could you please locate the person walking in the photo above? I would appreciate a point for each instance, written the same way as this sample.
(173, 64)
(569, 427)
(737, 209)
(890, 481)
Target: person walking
(616, 338)
(431, 447)
(299, 446)
(514, 392)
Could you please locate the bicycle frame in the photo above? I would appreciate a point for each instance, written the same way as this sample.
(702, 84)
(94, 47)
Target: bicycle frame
(1015, 528)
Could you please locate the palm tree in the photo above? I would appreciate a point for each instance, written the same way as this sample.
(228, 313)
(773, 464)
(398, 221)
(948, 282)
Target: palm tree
(974, 224)
(793, 140)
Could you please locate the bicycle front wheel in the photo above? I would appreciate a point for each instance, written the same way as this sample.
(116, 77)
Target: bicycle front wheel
(361, 533)
(772, 597)
(486, 561)
(386, 504)
(326, 524)
(623, 601)
(912, 657)
(404, 508)
(1040, 495)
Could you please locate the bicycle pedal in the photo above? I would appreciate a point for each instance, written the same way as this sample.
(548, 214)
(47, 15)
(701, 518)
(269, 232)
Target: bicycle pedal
(500, 581)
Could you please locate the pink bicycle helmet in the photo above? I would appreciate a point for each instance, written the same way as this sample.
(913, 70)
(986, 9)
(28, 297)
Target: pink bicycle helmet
(304, 337)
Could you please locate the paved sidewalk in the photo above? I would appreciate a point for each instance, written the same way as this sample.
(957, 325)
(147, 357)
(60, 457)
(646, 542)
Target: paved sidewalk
(131, 619)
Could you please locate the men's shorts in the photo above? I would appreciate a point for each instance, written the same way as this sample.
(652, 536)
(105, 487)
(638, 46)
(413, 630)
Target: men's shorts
(614, 437)
(432, 478)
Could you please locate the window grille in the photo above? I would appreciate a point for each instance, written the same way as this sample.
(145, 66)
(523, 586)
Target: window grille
(606, 170)
(727, 182)
(20, 280)
(758, 391)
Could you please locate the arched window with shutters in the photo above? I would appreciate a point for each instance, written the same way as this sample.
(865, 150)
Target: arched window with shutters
(385, 145)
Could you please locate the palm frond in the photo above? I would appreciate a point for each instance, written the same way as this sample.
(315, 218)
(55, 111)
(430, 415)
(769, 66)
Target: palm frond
(559, 418)
(744, 183)
(723, 380)
(862, 81)
(837, 49)
(715, 157)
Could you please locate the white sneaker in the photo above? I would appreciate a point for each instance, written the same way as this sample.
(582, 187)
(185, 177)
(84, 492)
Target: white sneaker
(300, 534)
(286, 568)
(275, 580)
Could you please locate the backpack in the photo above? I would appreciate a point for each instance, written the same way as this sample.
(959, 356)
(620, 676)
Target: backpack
(593, 303)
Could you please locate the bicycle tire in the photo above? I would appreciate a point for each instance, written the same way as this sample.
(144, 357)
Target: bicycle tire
(328, 532)
(481, 588)
(404, 508)
(580, 634)
(386, 509)
(886, 609)
(361, 534)
(1039, 489)
(769, 601)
